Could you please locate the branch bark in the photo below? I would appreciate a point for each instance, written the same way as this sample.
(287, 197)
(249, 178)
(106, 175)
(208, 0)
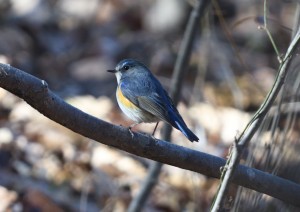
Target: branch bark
(37, 94)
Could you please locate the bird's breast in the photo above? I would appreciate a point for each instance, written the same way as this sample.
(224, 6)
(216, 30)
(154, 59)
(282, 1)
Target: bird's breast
(123, 100)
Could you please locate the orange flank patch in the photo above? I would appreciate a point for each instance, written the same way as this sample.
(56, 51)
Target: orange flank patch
(123, 100)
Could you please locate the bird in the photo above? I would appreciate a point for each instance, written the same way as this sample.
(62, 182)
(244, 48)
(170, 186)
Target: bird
(142, 98)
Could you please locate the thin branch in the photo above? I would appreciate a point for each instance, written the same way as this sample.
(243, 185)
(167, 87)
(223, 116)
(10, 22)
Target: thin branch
(269, 33)
(139, 201)
(296, 20)
(253, 126)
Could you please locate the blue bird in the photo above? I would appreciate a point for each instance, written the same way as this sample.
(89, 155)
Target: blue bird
(143, 99)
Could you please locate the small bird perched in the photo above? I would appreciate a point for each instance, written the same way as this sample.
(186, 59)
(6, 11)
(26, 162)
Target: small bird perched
(143, 99)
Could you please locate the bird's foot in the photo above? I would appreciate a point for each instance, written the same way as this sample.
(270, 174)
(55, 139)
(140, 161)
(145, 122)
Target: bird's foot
(129, 129)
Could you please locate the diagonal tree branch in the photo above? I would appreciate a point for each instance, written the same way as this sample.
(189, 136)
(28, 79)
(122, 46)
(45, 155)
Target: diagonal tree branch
(36, 93)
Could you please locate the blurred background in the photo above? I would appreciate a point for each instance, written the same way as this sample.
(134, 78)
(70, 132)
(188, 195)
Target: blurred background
(71, 44)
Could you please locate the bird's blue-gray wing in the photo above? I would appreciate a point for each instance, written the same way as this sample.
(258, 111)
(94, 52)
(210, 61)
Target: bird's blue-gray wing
(146, 97)
(154, 105)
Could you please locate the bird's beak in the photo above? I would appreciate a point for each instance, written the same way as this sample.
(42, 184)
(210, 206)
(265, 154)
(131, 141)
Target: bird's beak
(112, 71)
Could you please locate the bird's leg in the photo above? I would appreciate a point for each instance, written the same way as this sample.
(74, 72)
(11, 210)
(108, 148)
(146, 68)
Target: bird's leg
(154, 130)
(130, 127)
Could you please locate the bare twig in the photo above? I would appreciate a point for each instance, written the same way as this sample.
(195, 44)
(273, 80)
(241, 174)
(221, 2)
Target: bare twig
(265, 27)
(138, 202)
(253, 125)
(177, 79)
(297, 20)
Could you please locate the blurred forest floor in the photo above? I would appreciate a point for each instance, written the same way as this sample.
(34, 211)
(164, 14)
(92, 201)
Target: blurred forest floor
(71, 44)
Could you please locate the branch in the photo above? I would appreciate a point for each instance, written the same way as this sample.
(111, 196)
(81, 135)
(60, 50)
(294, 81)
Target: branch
(243, 140)
(36, 93)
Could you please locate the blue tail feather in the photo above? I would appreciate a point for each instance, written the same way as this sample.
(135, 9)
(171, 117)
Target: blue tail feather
(186, 131)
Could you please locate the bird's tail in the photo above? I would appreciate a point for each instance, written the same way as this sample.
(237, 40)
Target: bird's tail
(175, 119)
(186, 131)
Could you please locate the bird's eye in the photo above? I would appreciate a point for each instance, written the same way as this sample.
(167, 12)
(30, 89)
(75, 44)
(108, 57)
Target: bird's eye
(126, 68)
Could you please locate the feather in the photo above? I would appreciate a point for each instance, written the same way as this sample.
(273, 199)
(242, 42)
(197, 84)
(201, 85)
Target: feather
(152, 106)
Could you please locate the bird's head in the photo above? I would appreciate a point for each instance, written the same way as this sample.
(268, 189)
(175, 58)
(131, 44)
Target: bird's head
(128, 68)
